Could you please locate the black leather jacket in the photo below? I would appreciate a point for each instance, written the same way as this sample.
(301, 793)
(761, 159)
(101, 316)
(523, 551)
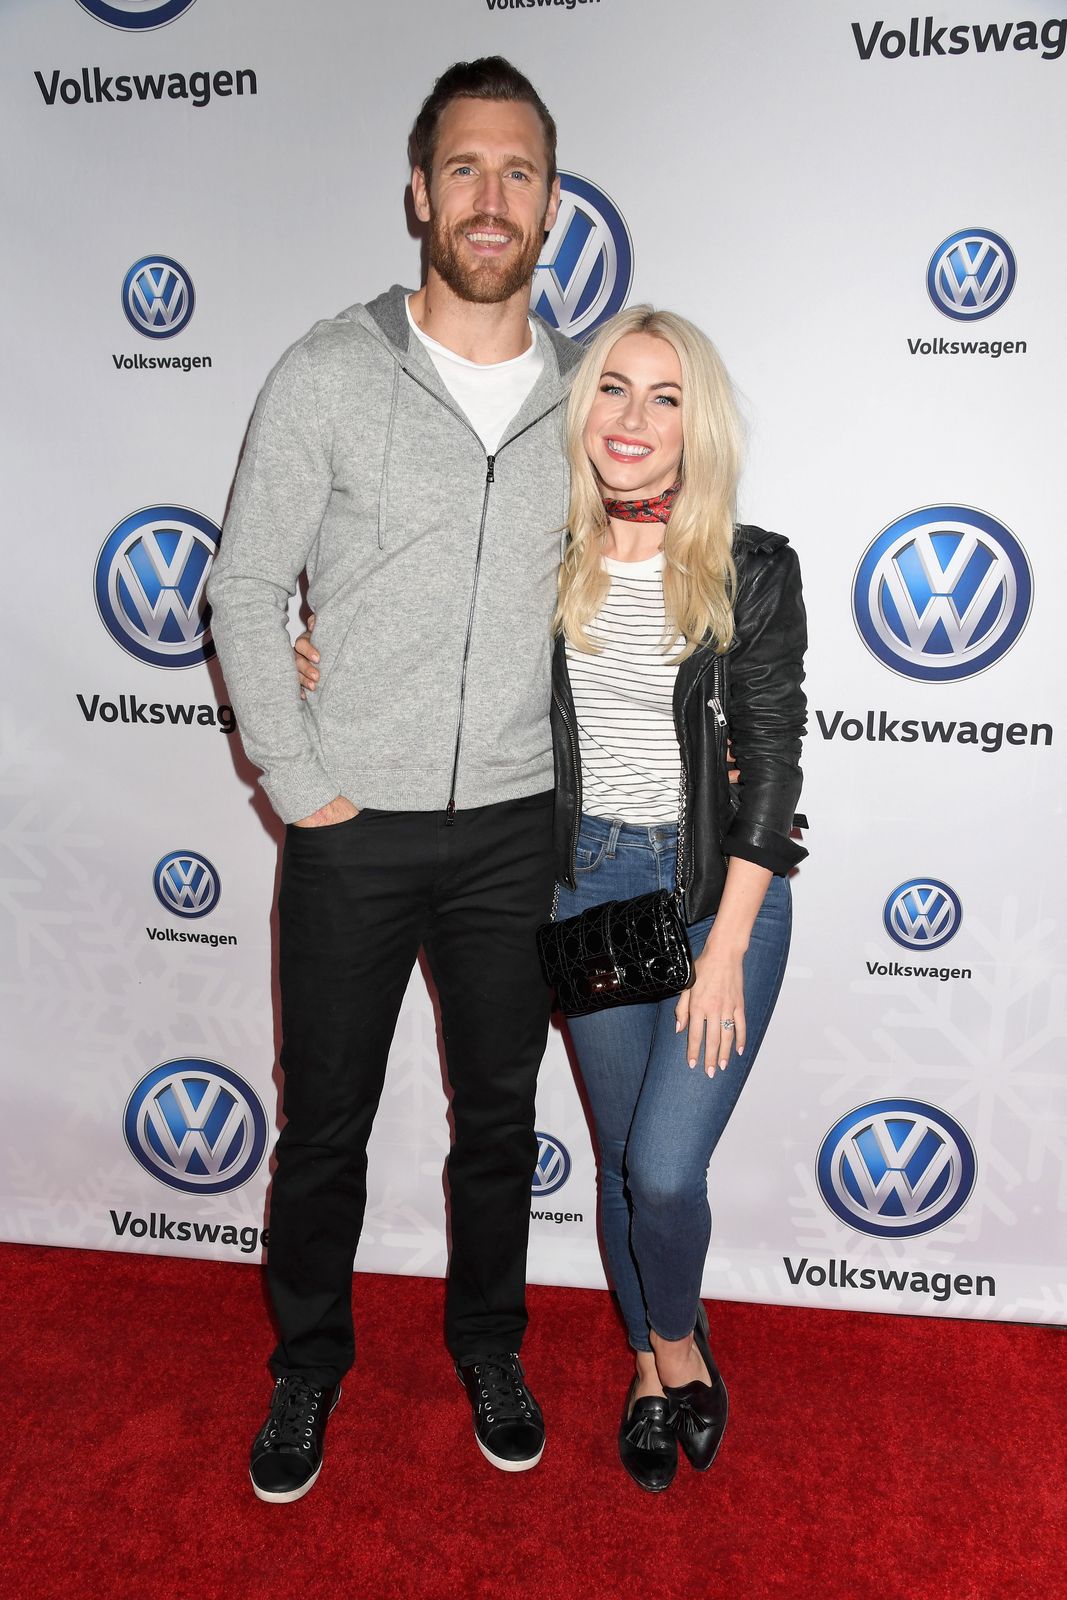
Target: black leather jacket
(757, 686)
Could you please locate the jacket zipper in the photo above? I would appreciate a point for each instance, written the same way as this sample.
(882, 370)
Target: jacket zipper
(576, 758)
(715, 704)
(722, 726)
(490, 478)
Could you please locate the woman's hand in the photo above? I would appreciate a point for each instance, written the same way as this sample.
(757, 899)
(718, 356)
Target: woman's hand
(305, 658)
(717, 997)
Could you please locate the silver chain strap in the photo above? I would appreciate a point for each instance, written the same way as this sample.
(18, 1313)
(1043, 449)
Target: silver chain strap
(683, 798)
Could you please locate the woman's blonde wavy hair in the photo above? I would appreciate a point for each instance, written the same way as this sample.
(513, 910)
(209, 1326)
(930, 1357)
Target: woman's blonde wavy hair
(699, 574)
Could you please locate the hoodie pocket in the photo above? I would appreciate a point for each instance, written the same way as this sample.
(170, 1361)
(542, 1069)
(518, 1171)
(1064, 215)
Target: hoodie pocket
(334, 659)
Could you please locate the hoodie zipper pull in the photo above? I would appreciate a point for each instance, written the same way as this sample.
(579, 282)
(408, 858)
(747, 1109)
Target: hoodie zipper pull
(450, 814)
(490, 466)
(719, 717)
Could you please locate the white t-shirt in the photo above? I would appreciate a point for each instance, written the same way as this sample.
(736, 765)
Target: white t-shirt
(488, 395)
(624, 701)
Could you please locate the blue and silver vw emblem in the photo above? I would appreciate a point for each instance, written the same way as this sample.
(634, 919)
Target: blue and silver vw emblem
(196, 1126)
(186, 884)
(157, 297)
(942, 593)
(971, 274)
(896, 1168)
(587, 267)
(922, 914)
(150, 578)
(135, 14)
(553, 1166)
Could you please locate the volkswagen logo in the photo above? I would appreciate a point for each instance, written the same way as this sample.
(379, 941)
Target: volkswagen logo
(971, 274)
(135, 14)
(196, 1126)
(149, 582)
(896, 1168)
(186, 884)
(942, 593)
(587, 267)
(553, 1166)
(157, 297)
(922, 914)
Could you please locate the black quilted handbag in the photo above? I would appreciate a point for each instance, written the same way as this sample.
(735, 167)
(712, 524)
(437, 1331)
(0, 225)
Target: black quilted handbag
(617, 954)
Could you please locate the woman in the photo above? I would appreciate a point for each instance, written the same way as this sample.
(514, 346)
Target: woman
(676, 630)
(672, 623)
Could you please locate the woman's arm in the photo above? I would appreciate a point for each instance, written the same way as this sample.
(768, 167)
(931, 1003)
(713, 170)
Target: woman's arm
(767, 710)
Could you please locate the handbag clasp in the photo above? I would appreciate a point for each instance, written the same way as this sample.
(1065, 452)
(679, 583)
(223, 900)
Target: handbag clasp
(601, 976)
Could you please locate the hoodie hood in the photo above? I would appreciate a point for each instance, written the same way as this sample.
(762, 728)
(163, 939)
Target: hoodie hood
(387, 316)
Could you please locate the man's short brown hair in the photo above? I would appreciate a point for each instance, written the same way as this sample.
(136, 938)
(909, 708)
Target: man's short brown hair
(488, 78)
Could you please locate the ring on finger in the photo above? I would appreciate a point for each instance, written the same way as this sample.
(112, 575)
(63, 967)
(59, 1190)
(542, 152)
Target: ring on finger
(726, 1023)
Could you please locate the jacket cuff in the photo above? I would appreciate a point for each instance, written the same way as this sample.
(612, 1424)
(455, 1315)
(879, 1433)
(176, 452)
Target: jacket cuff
(775, 851)
(297, 792)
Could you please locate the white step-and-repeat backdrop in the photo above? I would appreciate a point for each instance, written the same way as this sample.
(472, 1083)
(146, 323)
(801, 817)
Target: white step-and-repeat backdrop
(863, 207)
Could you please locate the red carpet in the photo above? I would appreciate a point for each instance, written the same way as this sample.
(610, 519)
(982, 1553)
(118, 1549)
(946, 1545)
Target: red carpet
(887, 1457)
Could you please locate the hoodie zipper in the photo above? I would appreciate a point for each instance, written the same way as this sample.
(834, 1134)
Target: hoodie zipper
(490, 478)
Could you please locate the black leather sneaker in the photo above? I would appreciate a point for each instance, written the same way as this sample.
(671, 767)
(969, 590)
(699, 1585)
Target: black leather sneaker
(287, 1450)
(508, 1424)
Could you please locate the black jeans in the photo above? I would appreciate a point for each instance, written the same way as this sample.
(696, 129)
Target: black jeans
(356, 902)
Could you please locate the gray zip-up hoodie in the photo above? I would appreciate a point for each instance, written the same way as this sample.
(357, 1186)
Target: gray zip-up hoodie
(431, 568)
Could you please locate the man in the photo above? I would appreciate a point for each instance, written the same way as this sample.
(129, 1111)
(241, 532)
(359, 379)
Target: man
(408, 454)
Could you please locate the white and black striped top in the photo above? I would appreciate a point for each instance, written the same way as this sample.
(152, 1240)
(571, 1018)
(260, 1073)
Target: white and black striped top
(623, 701)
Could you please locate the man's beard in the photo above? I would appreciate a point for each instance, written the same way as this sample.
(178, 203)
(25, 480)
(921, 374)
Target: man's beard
(488, 280)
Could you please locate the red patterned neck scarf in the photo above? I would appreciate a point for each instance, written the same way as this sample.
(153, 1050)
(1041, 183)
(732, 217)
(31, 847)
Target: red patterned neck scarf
(658, 509)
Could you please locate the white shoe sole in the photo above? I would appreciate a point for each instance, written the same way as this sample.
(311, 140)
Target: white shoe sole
(285, 1495)
(509, 1466)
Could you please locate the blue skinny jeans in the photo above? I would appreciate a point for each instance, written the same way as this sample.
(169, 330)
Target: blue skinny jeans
(657, 1122)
